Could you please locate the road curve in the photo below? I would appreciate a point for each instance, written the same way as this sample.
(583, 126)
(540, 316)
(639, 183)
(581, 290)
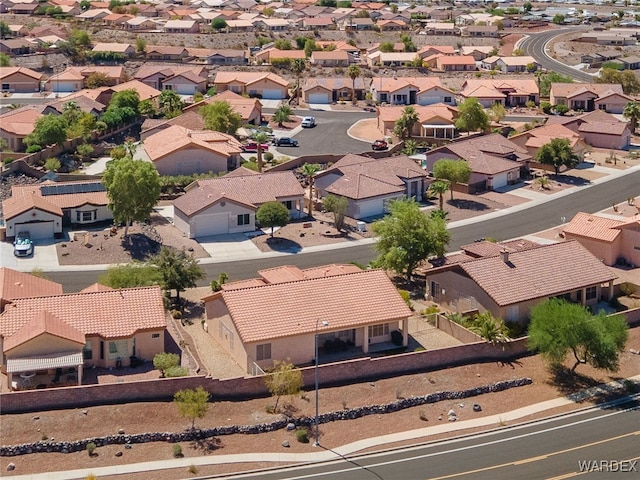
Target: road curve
(535, 46)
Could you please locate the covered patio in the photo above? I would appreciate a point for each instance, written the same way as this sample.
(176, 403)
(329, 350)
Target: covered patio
(43, 371)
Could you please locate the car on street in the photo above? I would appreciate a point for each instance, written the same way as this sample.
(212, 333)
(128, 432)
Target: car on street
(308, 122)
(253, 147)
(285, 142)
(22, 245)
(379, 145)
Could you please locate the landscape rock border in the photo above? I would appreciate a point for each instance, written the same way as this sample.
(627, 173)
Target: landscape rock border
(197, 434)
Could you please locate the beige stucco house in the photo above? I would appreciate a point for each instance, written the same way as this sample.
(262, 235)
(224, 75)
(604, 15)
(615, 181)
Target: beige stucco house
(255, 84)
(583, 96)
(16, 124)
(276, 317)
(19, 80)
(598, 129)
(434, 121)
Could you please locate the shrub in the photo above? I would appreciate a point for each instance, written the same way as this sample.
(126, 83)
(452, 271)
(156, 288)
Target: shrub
(165, 361)
(174, 372)
(270, 409)
(268, 156)
(515, 329)
(628, 289)
(176, 314)
(192, 469)
(546, 107)
(177, 451)
(52, 164)
(423, 416)
(406, 296)
(561, 109)
(91, 448)
(33, 148)
(302, 435)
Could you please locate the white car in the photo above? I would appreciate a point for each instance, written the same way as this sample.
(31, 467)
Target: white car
(308, 122)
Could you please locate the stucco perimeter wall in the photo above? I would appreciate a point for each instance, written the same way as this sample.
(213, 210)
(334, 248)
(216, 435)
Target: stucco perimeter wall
(237, 388)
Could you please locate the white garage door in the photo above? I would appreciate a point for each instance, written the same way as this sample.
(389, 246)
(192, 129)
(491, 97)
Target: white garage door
(272, 94)
(370, 208)
(213, 224)
(37, 230)
(319, 98)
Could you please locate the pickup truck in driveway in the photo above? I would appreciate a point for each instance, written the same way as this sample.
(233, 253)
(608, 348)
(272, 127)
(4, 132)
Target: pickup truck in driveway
(285, 142)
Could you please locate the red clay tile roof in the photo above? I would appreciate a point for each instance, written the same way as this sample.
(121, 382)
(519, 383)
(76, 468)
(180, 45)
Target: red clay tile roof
(359, 186)
(293, 308)
(593, 226)
(490, 249)
(164, 142)
(14, 284)
(249, 78)
(41, 323)
(108, 314)
(20, 122)
(18, 204)
(571, 89)
(541, 272)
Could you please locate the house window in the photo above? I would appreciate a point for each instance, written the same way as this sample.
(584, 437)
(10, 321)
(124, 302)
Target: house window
(383, 97)
(243, 219)
(447, 99)
(591, 293)
(435, 290)
(87, 352)
(288, 204)
(6, 86)
(155, 335)
(85, 217)
(263, 352)
(118, 349)
(378, 330)
(602, 107)
(168, 87)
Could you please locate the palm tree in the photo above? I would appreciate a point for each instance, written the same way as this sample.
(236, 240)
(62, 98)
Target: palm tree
(410, 147)
(130, 147)
(439, 187)
(309, 170)
(260, 138)
(282, 114)
(170, 102)
(409, 119)
(632, 112)
(298, 66)
(354, 72)
(492, 329)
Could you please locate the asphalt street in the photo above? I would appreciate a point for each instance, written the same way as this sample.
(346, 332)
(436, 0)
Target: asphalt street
(549, 449)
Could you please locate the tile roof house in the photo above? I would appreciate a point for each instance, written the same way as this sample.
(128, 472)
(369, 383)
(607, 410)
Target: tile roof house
(410, 91)
(509, 284)
(581, 96)
(332, 58)
(509, 92)
(72, 79)
(250, 109)
(125, 49)
(517, 64)
(276, 317)
(268, 55)
(495, 161)
(83, 329)
(535, 138)
(456, 63)
(611, 240)
(326, 90)
(598, 129)
(43, 209)
(179, 151)
(19, 80)
(179, 78)
(14, 285)
(255, 84)
(181, 26)
(228, 204)
(434, 121)
(369, 184)
(15, 125)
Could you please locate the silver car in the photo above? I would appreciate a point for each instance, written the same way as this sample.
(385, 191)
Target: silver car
(22, 245)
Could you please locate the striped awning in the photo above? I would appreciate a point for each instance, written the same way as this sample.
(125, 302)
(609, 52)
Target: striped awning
(44, 362)
(446, 127)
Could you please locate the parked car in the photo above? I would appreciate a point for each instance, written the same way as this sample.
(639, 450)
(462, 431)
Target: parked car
(369, 109)
(253, 147)
(379, 145)
(286, 142)
(22, 245)
(308, 122)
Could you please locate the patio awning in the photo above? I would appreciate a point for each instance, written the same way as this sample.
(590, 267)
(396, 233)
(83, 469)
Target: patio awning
(44, 362)
(438, 126)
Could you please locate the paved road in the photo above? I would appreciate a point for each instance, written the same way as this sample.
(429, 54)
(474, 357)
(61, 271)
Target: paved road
(535, 45)
(531, 219)
(548, 449)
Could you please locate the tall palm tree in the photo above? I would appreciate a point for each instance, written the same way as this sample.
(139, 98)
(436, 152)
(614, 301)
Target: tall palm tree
(170, 102)
(410, 147)
(298, 66)
(309, 170)
(409, 118)
(439, 187)
(354, 72)
(282, 114)
(260, 138)
(632, 112)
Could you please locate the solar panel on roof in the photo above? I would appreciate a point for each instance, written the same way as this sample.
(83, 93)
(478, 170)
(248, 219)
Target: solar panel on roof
(64, 189)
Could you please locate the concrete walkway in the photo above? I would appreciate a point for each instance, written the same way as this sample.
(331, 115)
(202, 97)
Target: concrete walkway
(324, 455)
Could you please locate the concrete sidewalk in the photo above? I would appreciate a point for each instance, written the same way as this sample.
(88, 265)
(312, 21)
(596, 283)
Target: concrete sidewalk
(324, 455)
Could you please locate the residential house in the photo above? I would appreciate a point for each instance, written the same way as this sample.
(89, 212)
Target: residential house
(441, 28)
(228, 204)
(185, 83)
(17, 46)
(122, 48)
(356, 23)
(611, 240)
(73, 78)
(434, 121)
(296, 308)
(479, 53)
(598, 129)
(19, 80)
(240, 26)
(581, 96)
(430, 50)
(140, 23)
(268, 55)
(321, 23)
(43, 209)
(369, 184)
(612, 102)
(410, 91)
(533, 139)
(332, 89)
(517, 64)
(392, 25)
(15, 285)
(249, 109)
(510, 283)
(631, 62)
(93, 14)
(18, 30)
(495, 161)
(227, 57)
(173, 77)
(161, 52)
(456, 63)
(16, 124)
(81, 330)
(391, 59)
(509, 92)
(255, 84)
(116, 20)
(179, 151)
(480, 31)
(26, 8)
(145, 92)
(181, 26)
(332, 58)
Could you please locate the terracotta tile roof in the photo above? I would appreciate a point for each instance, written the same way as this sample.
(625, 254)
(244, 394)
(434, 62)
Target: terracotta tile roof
(6, 72)
(540, 272)
(251, 190)
(390, 84)
(14, 284)
(42, 323)
(426, 113)
(501, 87)
(19, 204)
(253, 282)
(108, 314)
(176, 137)
(359, 186)
(146, 71)
(145, 92)
(571, 89)
(593, 226)
(241, 172)
(190, 119)
(20, 122)
(333, 83)
(603, 128)
(189, 76)
(330, 55)
(522, 60)
(456, 60)
(293, 308)
(489, 249)
(246, 107)
(86, 104)
(112, 47)
(249, 78)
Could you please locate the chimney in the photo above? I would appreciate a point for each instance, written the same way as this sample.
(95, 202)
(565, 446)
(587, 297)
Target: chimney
(504, 254)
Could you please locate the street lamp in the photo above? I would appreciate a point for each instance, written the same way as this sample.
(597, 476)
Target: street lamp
(316, 443)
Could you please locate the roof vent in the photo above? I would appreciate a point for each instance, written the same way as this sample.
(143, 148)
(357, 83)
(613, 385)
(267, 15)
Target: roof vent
(504, 254)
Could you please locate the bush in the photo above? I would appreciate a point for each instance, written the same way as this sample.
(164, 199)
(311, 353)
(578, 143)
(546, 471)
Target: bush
(51, 164)
(406, 296)
(165, 361)
(33, 148)
(176, 314)
(630, 386)
(561, 109)
(546, 107)
(302, 435)
(268, 156)
(628, 289)
(91, 448)
(174, 372)
(177, 451)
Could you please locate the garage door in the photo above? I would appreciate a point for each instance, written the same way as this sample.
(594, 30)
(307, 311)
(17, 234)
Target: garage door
(318, 98)
(37, 230)
(213, 224)
(370, 208)
(272, 94)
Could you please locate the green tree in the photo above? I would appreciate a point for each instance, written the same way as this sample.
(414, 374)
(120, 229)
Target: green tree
(5, 31)
(48, 130)
(147, 108)
(51, 164)
(221, 117)
(272, 214)
(404, 125)
(133, 189)
(97, 80)
(338, 206)
(527, 6)
(130, 275)
(5, 60)
(471, 116)
(497, 112)
(546, 79)
(164, 361)
(386, 47)
(453, 171)
(282, 114)
(492, 329)
(80, 38)
(407, 237)
(558, 19)
(627, 79)
(409, 46)
(632, 112)
(309, 170)
(410, 147)
(557, 153)
(558, 328)
(283, 44)
(126, 99)
(170, 103)
(178, 270)
(218, 24)
(141, 45)
(260, 138)
(283, 379)
(84, 151)
(353, 72)
(310, 46)
(192, 404)
(439, 187)
(298, 67)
